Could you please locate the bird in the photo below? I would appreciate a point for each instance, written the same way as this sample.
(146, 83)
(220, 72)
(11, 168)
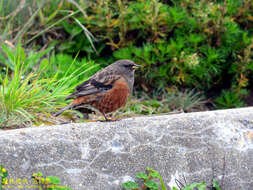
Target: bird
(105, 91)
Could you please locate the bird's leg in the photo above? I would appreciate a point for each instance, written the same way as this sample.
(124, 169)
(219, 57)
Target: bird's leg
(106, 119)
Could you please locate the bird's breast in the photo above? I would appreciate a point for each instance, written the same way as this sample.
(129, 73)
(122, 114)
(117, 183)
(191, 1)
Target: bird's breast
(114, 98)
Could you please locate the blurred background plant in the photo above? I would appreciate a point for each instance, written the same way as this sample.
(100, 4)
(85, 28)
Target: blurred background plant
(196, 55)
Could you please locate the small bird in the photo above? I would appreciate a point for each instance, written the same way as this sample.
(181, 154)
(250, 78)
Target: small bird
(106, 91)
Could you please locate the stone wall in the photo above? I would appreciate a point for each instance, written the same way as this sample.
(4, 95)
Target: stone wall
(99, 155)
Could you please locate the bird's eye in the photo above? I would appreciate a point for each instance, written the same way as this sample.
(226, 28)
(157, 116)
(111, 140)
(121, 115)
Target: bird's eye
(128, 66)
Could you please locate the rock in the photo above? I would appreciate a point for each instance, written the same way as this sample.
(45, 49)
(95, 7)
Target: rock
(98, 155)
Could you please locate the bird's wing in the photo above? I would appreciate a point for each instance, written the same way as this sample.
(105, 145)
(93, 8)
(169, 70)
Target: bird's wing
(96, 84)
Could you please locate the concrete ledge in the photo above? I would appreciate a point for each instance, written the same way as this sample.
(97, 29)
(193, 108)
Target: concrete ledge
(103, 155)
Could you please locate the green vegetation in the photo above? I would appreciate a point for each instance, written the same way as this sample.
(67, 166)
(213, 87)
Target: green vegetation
(32, 90)
(43, 183)
(174, 101)
(150, 183)
(49, 182)
(195, 55)
(3, 177)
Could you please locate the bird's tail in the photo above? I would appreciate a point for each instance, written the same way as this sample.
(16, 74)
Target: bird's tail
(70, 106)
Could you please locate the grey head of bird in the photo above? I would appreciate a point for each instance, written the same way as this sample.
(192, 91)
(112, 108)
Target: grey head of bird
(125, 68)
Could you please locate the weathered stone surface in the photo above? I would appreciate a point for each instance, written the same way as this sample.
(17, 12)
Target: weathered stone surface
(102, 155)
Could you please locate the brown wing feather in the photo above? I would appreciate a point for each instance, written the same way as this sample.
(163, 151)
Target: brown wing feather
(94, 86)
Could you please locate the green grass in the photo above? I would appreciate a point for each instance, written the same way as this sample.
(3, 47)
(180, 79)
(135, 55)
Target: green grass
(28, 93)
(21, 99)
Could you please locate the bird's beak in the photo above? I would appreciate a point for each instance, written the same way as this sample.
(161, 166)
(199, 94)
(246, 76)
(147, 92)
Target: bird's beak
(136, 66)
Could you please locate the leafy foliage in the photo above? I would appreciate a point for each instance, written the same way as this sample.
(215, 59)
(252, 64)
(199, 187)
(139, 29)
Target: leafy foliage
(3, 177)
(150, 183)
(49, 182)
(228, 99)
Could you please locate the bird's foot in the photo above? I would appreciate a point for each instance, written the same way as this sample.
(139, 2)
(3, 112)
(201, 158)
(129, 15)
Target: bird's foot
(91, 120)
(101, 120)
(109, 120)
